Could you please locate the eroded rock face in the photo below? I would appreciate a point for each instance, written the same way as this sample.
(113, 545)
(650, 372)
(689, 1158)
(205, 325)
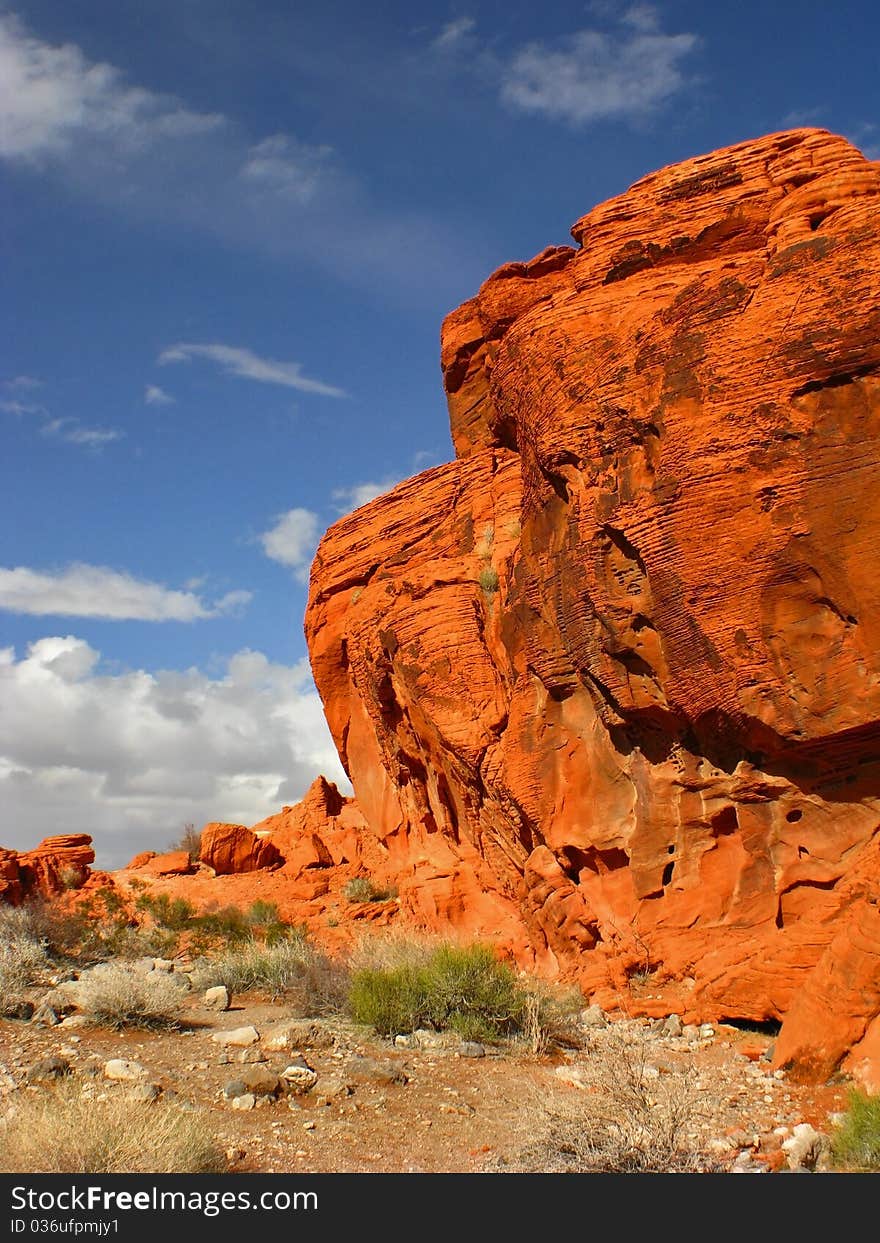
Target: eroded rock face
(608, 685)
(58, 863)
(231, 848)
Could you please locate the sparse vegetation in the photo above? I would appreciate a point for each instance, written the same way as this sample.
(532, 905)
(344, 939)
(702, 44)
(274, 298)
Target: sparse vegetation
(23, 956)
(856, 1144)
(488, 579)
(190, 840)
(290, 968)
(362, 889)
(118, 995)
(465, 989)
(632, 1120)
(72, 1129)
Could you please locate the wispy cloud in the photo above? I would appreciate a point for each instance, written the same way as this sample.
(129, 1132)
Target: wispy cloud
(131, 756)
(23, 382)
(85, 125)
(595, 75)
(19, 408)
(247, 365)
(291, 169)
(156, 396)
(455, 35)
(292, 541)
(73, 432)
(97, 591)
(361, 493)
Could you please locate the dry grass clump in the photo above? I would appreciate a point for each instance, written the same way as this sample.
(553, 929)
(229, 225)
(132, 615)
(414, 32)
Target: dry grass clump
(23, 956)
(856, 1145)
(74, 1129)
(631, 1120)
(292, 968)
(117, 995)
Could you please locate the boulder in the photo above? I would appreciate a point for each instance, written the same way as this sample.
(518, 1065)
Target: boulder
(607, 686)
(232, 848)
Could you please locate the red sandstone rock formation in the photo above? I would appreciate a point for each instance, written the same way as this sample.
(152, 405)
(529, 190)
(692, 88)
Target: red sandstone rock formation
(230, 848)
(58, 863)
(608, 685)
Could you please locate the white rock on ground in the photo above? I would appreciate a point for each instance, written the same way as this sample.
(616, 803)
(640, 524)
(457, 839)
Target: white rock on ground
(124, 1070)
(240, 1037)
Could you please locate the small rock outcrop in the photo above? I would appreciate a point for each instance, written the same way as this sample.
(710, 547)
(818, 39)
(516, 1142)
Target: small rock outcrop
(232, 848)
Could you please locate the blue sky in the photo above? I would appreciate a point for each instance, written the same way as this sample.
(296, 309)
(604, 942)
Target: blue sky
(230, 233)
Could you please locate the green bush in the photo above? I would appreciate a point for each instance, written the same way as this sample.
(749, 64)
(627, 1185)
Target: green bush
(462, 989)
(488, 579)
(856, 1145)
(173, 913)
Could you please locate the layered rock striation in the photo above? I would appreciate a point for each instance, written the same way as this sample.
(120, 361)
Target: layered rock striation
(607, 686)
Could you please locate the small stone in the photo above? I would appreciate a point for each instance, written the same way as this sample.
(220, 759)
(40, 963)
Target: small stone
(594, 1016)
(405, 1042)
(381, 1072)
(707, 1031)
(247, 1100)
(235, 1087)
(690, 1033)
(47, 1069)
(261, 1081)
(163, 964)
(249, 1056)
(471, 1048)
(124, 1070)
(805, 1147)
(237, 1036)
(74, 1020)
(309, 1126)
(216, 998)
(234, 1155)
(299, 1079)
(45, 1016)
(672, 1025)
(143, 1093)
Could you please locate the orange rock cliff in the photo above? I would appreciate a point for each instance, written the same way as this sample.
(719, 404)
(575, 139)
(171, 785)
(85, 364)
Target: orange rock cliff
(607, 686)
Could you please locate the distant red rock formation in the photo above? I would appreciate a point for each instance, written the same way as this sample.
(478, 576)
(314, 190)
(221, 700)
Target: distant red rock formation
(608, 684)
(229, 848)
(57, 864)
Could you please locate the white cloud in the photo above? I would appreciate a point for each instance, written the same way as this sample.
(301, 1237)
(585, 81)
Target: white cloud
(291, 169)
(593, 75)
(73, 432)
(292, 541)
(23, 382)
(360, 493)
(96, 591)
(454, 35)
(249, 366)
(53, 97)
(18, 408)
(131, 757)
(156, 396)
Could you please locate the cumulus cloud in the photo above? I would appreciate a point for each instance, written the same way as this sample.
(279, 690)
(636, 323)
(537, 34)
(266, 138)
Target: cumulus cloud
(156, 396)
(292, 541)
(595, 75)
(53, 97)
(96, 591)
(247, 365)
(130, 757)
(360, 493)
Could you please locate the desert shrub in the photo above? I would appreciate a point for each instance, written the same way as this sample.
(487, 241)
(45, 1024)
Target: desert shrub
(362, 889)
(465, 989)
(630, 1121)
(23, 956)
(190, 840)
(856, 1144)
(173, 913)
(71, 1129)
(488, 579)
(117, 995)
(290, 968)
